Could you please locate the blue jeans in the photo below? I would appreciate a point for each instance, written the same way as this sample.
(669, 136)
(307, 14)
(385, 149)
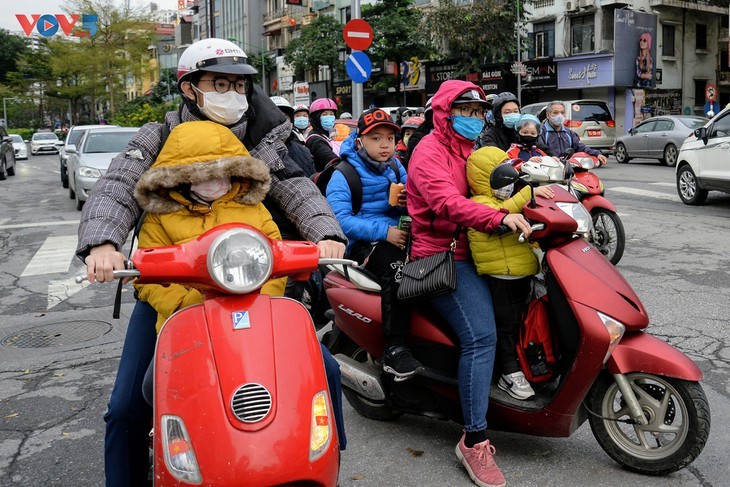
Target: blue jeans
(469, 312)
(129, 417)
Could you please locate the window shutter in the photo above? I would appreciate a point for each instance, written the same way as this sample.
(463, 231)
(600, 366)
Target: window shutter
(551, 43)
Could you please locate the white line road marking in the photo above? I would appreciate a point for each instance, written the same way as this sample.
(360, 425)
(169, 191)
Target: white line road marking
(3, 221)
(669, 185)
(359, 35)
(62, 289)
(40, 224)
(644, 192)
(54, 256)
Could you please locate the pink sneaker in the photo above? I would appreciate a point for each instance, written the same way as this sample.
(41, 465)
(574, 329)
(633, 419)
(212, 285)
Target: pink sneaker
(479, 462)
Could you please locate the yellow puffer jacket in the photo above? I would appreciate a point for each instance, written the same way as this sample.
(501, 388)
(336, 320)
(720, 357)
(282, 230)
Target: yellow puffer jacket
(195, 152)
(497, 255)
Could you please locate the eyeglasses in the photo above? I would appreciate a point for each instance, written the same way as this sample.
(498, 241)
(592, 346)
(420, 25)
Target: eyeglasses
(223, 85)
(467, 111)
(643, 40)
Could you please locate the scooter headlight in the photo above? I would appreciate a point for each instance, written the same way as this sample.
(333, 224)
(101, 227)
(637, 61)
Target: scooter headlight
(178, 451)
(321, 431)
(579, 213)
(615, 329)
(240, 260)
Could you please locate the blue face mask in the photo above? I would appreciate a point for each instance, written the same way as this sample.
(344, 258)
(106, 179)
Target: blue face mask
(510, 119)
(301, 122)
(328, 121)
(467, 127)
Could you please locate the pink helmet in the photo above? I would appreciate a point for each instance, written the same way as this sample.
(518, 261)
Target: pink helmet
(321, 104)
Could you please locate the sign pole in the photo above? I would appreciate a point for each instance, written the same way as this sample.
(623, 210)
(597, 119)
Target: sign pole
(519, 56)
(357, 94)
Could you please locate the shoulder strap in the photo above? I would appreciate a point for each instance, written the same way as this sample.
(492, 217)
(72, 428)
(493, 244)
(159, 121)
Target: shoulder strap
(394, 166)
(164, 134)
(354, 182)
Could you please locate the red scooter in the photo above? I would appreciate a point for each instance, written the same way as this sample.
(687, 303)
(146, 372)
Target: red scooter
(240, 392)
(640, 394)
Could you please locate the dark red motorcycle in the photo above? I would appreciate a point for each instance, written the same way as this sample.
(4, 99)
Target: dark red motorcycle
(641, 396)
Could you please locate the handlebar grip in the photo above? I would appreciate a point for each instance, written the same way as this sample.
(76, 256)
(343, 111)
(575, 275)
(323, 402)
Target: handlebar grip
(502, 229)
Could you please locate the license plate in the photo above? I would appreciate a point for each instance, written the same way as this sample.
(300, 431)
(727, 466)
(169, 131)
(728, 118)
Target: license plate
(594, 133)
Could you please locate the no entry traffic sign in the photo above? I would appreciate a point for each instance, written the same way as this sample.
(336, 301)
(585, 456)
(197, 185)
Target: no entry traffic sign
(358, 34)
(358, 67)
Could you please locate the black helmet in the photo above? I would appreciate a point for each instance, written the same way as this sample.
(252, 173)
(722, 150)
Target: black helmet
(501, 100)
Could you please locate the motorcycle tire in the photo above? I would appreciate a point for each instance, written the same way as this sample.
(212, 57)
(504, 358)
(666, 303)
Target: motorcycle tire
(678, 425)
(377, 410)
(610, 237)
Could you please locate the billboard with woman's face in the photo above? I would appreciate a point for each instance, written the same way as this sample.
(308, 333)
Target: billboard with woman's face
(635, 48)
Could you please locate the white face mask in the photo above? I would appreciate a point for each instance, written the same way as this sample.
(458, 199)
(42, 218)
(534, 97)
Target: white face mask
(225, 108)
(211, 190)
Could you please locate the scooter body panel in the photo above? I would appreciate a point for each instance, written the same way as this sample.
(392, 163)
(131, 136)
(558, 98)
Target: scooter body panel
(204, 354)
(641, 352)
(597, 201)
(587, 277)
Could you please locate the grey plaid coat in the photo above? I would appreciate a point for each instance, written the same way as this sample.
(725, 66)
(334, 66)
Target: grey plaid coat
(111, 211)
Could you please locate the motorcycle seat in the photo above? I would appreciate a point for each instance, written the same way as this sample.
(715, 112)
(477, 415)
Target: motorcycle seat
(360, 278)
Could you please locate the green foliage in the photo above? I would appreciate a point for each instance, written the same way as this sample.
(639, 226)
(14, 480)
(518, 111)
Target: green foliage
(26, 134)
(12, 49)
(141, 111)
(475, 33)
(318, 45)
(397, 35)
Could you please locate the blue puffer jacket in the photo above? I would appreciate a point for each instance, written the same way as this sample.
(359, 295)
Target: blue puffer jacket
(376, 215)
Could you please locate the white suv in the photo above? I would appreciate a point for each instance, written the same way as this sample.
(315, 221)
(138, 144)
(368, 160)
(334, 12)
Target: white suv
(703, 163)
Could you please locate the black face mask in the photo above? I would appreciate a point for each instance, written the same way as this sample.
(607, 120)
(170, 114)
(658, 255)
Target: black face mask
(526, 140)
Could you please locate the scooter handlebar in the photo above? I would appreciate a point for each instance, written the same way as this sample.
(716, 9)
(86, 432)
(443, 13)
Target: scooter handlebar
(338, 262)
(120, 274)
(534, 227)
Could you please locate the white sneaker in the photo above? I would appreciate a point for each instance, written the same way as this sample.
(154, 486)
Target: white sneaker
(516, 386)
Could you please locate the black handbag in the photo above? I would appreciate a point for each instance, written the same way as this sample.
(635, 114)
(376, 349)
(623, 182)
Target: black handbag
(429, 277)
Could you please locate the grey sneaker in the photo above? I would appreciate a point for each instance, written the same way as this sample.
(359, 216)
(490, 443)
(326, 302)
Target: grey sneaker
(516, 386)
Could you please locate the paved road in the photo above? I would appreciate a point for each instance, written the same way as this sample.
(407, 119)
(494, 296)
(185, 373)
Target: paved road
(59, 347)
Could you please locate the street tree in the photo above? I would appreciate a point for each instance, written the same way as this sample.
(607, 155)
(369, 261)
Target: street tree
(12, 48)
(474, 33)
(397, 35)
(318, 45)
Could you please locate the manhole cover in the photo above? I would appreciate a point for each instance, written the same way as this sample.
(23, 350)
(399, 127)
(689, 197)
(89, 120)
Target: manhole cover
(57, 334)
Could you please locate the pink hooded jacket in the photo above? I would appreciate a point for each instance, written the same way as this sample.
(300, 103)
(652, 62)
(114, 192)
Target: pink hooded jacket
(438, 193)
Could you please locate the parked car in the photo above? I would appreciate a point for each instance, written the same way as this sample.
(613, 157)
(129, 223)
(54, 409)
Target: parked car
(73, 136)
(90, 158)
(591, 120)
(703, 161)
(657, 138)
(46, 142)
(21, 149)
(7, 154)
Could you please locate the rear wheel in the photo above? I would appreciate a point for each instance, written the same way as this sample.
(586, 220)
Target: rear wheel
(678, 417)
(79, 203)
(3, 171)
(689, 191)
(608, 234)
(377, 410)
(71, 193)
(670, 155)
(622, 155)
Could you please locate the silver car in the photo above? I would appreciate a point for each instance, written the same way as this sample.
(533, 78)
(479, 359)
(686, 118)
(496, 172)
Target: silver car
(21, 150)
(90, 158)
(657, 138)
(73, 136)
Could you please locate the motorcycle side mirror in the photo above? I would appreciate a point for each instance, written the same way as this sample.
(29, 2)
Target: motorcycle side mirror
(568, 153)
(701, 133)
(503, 175)
(569, 172)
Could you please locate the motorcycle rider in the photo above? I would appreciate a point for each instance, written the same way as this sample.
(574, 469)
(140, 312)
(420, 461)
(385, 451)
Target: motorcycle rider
(506, 111)
(439, 205)
(301, 121)
(525, 147)
(214, 78)
(322, 119)
(555, 138)
(295, 140)
(409, 127)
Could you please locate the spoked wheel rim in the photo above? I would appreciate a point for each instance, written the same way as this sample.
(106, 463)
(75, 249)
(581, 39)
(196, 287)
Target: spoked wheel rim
(687, 184)
(662, 406)
(606, 239)
(670, 155)
(620, 153)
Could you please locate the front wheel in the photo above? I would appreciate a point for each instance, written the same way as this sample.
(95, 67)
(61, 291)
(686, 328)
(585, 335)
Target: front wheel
(622, 155)
(689, 190)
(608, 234)
(678, 417)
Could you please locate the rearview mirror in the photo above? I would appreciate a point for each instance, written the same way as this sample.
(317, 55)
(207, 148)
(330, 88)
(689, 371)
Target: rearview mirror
(701, 133)
(503, 175)
(71, 149)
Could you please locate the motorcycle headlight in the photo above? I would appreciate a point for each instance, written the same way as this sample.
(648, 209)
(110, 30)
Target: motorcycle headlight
(615, 330)
(240, 260)
(89, 172)
(579, 213)
(586, 162)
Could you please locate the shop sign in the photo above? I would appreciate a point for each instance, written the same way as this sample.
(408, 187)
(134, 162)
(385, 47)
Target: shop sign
(413, 75)
(321, 4)
(286, 83)
(585, 72)
(491, 79)
(301, 93)
(437, 74)
(542, 74)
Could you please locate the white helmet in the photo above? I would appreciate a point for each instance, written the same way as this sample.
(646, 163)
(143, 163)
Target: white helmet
(283, 105)
(214, 55)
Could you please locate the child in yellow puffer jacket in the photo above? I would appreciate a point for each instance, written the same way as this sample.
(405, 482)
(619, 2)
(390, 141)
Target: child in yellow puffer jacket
(192, 187)
(507, 264)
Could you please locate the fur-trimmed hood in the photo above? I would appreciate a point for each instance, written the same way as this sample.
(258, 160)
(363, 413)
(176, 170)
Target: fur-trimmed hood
(199, 151)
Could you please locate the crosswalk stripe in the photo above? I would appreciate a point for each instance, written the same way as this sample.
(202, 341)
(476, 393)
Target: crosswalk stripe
(38, 224)
(54, 256)
(3, 221)
(670, 185)
(644, 192)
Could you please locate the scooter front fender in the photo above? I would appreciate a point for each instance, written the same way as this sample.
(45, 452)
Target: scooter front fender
(642, 352)
(597, 201)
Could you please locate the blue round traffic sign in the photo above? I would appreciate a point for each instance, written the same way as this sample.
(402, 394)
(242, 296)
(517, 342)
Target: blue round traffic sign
(358, 67)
